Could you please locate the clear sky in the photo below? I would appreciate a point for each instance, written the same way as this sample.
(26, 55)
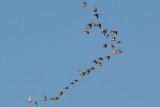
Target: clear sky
(42, 46)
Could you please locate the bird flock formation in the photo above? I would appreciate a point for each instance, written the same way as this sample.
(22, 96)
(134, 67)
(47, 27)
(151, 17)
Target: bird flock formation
(98, 62)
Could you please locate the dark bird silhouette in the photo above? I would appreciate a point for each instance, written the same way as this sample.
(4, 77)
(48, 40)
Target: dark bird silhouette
(72, 83)
(35, 103)
(90, 25)
(100, 59)
(95, 9)
(104, 31)
(76, 80)
(66, 88)
(112, 32)
(99, 25)
(93, 68)
(108, 58)
(94, 61)
(56, 98)
(104, 45)
(61, 93)
(97, 15)
(88, 71)
(119, 42)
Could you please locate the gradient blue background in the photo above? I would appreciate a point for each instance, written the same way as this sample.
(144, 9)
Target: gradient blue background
(42, 46)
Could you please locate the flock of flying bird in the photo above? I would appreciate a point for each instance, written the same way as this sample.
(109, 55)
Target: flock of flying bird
(98, 62)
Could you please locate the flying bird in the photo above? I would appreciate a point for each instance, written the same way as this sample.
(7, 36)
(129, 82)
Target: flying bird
(112, 46)
(61, 93)
(114, 51)
(119, 51)
(93, 24)
(119, 42)
(90, 25)
(44, 98)
(112, 32)
(108, 36)
(86, 31)
(108, 58)
(100, 59)
(56, 98)
(93, 68)
(97, 15)
(104, 45)
(84, 4)
(113, 38)
(104, 31)
(82, 73)
(52, 99)
(99, 25)
(99, 64)
(66, 88)
(72, 83)
(29, 100)
(94, 61)
(88, 71)
(76, 80)
(35, 103)
(95, 9)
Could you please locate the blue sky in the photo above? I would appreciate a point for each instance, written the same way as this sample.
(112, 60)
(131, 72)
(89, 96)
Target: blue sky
(43, 46)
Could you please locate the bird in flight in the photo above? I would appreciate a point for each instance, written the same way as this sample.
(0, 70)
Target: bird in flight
(113, 47)
(44, 98)
(35, 103)
(66, 88)
(119, 51)
(108, 58)
(72, 83)
(29, 100)
(104, 31)
(99, 64)
(88, 71)
(90, 25)
(86, 31)
(114, 51)
(93, 68)
(112, 32)
(94, 61)
(108, 36)
(99, 25)
(93, 24)
(95, 9)
(104, 45)
(76, 80)
(84, 4)
(119, 42)
(61, 93)
(113, 38)
(97, 15)
(82, 73)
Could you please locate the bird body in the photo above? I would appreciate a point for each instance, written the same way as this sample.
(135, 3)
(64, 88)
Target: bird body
(119, 51)
(86, 31)
(93, 24)
(104, 31)
(114, 51)
(108, 58)
(99, 25)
